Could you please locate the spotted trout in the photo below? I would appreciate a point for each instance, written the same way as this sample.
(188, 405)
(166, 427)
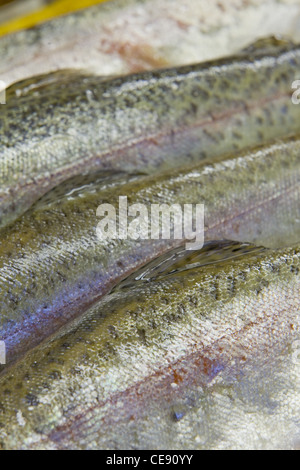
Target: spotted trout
(54, 128)
(54, 264)
(205, 357)
(126, 36)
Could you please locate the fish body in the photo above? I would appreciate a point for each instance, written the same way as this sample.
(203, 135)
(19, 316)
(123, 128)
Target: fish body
(53, 265)
(199, 358)
(126, 36)
(54, 128)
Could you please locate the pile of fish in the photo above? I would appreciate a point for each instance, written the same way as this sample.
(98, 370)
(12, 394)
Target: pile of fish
(125, 36)
(123, 343)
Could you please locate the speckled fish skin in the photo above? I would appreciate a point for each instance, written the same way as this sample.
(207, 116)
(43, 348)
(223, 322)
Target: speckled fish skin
(125, 36)
(200, 359)
(52, 130)
(53, 266)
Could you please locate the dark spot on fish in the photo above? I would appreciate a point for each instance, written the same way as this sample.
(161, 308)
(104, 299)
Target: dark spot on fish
(194, 108)
(112, 331)
(152, 324)
(55, 375)
(260, 135)
(181, 310)
(294, 270)
(275, 268)
(263, 284)
(193, 300)
(75, 371)
(32, 399)
(237, 135)
(142, 336)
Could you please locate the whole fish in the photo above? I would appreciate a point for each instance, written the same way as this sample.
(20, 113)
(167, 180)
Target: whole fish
(54, 264)
(207, 357)
(54, 128)
(124, 36)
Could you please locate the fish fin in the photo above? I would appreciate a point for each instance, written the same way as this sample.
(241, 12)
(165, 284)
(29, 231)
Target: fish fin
(82, 184)
(266, 44)
(39, 82)
(180, 260)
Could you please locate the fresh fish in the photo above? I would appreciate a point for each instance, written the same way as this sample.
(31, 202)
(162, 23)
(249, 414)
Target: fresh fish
(206, 357)
(124, 36)
(53, 265)
(52, 129)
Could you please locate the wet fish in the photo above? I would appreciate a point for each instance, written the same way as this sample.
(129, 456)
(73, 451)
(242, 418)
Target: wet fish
(53, 266)
(126, 36)
(201, 358)
(52, 129)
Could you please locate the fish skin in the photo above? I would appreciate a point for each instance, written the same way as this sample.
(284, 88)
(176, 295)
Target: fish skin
(166, 364)
(52, 130)
(126, 36)
(53, 266)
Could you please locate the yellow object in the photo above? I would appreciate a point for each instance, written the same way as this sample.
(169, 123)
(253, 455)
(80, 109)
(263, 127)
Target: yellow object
(59, 7)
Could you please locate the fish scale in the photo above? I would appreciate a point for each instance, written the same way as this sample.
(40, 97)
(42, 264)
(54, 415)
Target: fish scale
(53, 266)
(52, 129)
(169, 361)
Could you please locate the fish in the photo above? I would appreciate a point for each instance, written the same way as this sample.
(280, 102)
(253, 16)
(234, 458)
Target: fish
(55, 263)
(126, 36)
(204, 357)
(54, 128)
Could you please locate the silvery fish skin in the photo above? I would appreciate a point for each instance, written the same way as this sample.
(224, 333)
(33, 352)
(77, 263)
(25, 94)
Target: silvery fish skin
(53, 129)
(125, 36)
(203, 358)
(53, 265)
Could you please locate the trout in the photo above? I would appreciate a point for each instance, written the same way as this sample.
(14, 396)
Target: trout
(126, 36)
(54, 264)
(204, 357)
(54, 128)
